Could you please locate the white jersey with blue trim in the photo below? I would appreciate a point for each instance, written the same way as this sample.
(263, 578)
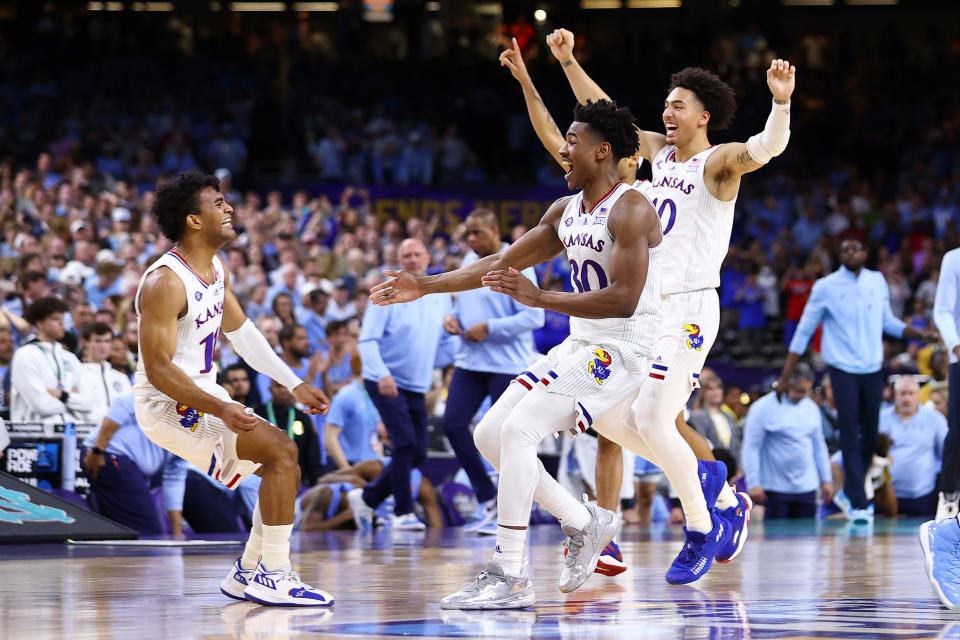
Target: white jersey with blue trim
(198, 330)
(589, 245)
(696, 225)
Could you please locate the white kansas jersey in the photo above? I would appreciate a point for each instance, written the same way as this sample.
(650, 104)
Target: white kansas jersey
(589, 245)
(696, 225)
(197, 331)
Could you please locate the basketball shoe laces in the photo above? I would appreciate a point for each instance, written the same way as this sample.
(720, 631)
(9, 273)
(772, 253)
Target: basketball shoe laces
(573, 547)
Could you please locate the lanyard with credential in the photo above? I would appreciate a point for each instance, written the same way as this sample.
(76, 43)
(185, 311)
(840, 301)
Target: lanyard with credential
(294, 427)
(54, 364)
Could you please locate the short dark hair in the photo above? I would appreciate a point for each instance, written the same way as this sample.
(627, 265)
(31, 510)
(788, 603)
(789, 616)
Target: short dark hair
(178, 199)
(611, 124)
(287, 332)
(95, 329)
(714, 94)
(486, 217)
(236, 366)
(314, 296)
(43, 308)
(32, 276)
(335, 325)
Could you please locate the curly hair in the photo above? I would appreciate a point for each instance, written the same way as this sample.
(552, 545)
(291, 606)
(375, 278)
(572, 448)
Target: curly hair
(612, 124)
(178, 199)
(714, 94)
(43, 308)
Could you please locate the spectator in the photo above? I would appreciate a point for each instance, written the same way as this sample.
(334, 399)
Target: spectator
(785, 457)
(946, 314)
(353, 423)
(313, 317)
(939, 368)
(45, 377)
(718, 427)
(107, 282)
(123, 467)
(6, 354)
(853, 304)
(399, 346)
(336, 370)
(281, 412)
(917, 451)
(99, 382)
(340, 307)
(238, 379)
(496, 345)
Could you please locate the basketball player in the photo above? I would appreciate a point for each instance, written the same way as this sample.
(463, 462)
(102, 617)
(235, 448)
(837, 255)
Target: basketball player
(612, 238)
(695, 186)
(183, 302)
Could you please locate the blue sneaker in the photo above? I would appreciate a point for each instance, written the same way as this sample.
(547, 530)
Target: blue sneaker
(738, 519)
(698, 552)
(940, 541)
(713, 477)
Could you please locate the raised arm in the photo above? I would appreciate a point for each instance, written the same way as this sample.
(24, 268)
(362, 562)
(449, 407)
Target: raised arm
(535, 246)
(584, 88)
(632, 222)
(543, 123)
(735, 159)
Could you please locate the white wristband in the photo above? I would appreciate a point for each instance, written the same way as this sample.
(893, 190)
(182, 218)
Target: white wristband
(249, 344)
(772, 141)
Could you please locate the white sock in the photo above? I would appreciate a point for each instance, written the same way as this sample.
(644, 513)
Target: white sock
(276, 546)
(727, 498)
(509, 551)
(254, 548)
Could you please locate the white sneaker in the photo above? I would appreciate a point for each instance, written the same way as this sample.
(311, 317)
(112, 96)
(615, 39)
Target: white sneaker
(486, 513)
(948, 506)
(284, 587)
(236, 581)
(406, 522)
(861, 516)
(362, 513)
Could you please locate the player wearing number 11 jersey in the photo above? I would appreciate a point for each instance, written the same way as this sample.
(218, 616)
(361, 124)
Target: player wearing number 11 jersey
(182, 303)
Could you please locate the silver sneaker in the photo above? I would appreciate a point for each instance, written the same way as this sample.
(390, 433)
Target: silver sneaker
(583, 547)
(948, 505)
(491, 589)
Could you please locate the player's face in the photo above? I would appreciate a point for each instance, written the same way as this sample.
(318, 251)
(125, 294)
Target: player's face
(579, 155)
(482, 239)
(216, 217)
(683, 116)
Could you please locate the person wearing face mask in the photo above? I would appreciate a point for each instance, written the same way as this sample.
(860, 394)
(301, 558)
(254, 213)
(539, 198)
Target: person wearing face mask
(784, 457)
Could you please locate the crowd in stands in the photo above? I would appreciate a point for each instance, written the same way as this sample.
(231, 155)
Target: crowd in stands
(85, 140)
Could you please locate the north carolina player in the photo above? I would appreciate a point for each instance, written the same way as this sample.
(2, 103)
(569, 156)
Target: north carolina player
(612, 238)
(695, 187)
(182, 303)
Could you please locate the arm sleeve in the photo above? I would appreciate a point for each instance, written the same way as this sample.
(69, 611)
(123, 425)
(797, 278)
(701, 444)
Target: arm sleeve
(752, 443)
(249, 344)
(812, 315)
(174, 483)
(821, 455)
(26, 378)
(946, 301)
(523, 319)
(892, 325)
(374, 324)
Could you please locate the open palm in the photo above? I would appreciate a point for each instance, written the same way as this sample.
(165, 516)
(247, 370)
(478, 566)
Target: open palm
(781, 78)
(401, 287)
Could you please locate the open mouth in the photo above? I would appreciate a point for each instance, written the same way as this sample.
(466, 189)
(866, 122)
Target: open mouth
(568, 166)
(228, 223)
(671, 128)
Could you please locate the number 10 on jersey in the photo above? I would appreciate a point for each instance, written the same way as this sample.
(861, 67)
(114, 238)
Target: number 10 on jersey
(671, 218)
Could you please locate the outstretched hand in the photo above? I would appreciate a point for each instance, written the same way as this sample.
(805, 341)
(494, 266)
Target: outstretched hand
(401, 287)
(512, 59)
(561, 44)
(514, 284)
(781, 78)
(314, 399)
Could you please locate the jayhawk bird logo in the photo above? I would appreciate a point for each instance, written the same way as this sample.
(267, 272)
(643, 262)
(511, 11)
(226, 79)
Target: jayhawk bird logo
(600, 365)
(694, 339)
(189, 417)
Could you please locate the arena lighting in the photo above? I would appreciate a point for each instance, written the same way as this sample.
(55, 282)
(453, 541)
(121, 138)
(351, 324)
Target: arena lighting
(488, 9)
(654, 4)
(258, 6)
(153, 6)
(432, 6)
(540, 15)
(600, 4)
(315, 6)
(876, 2)
(808, 3)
